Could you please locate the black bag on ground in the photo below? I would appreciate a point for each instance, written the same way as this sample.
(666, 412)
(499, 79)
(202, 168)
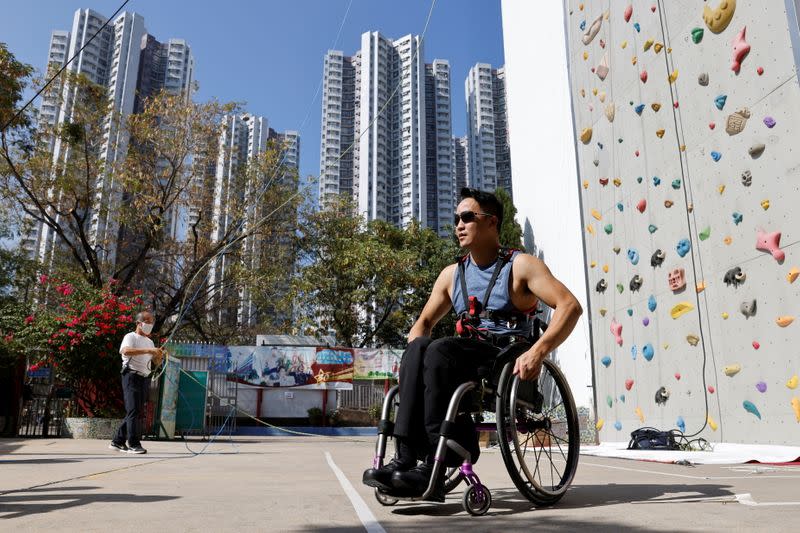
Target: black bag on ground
(652, 439)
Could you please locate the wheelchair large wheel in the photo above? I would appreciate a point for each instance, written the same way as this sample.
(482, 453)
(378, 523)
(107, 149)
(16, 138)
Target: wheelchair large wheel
(537, 426)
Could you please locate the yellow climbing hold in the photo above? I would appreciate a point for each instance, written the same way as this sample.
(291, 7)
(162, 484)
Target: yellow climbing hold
(765, 204)
(590, 229)
(784, 321)
(599, 425)
(713, 425)
(593, 264)
(673, 76)
(640, 414)
(732, 370)
(586, 135)
(718, 18)
(680, 309)
(666, 346)
(683, 148)
(793, 273)
(647, 44)
(792, 383)
(605, 269)
(585, 56)
(594, 91)
(580, 7)
(602, 311)
(596, 214)
(727, 240)
(796, 407)
(602, 97)
(617, 182)
(701, 286)
(624, 44)
(658, 47)
(725, 316)
(692, 339)
(633, 60)
(721, 189)
(656, 106)
(585, 184)
(660, 133)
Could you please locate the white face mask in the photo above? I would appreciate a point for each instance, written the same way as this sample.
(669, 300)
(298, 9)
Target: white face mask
(146, 328)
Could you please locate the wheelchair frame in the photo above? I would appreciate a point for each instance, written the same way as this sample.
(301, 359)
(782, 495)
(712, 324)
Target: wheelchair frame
(477, 497)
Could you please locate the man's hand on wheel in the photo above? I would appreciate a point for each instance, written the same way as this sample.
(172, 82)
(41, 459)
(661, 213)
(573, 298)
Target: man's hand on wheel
(528, 366)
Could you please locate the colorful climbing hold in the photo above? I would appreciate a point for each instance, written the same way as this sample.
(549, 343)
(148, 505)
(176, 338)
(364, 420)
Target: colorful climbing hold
(713, 425)
(599, 424)
(716, 156)
(761, 387)
(620, 206)
(608, 229)
(680, 309)
(610, 112)
(784, 321)
(683, 247)
(718, 18)
(792, 383)
(751, 408)
(645, 321)
(760, 70)
(725, 316)
(620, 288)
(623, 44)
(678, 376)
(651, 303)
(596, 214)
(692, 339)
(656, 181)
(668, 203)
(637, 27)
(792, 275)
(652, 228)
(756, 345)
(658, 47)
(769, 122)
(676, 184)
(642, 205)
(630, 312)
(796, 407)
(618, 425)
(627, 13)
(697, 35)
(640, 414)
(617, 182)
(705, 234)
(639, 108)
(622, 398)
(634, 352)
(639, 179)
(633, 255)
(602, 311)
(660, 133)
(681, 424)
(606, 360)
(719, 101)
(586, 135)
(616, 330)
(671, 78)
(582, 25)
(628, 384)
(721, 189)
(655, 106)
(700, 287)
(609, 401)
(737, 218)
(711, 125)
(740, 50)
(633, 60)
(731, 370)
(770, 242)
(676, 279)
(605, 269)
(648, 352)
(711, 389)
(765, 204)
(647, 44)
(635, 285)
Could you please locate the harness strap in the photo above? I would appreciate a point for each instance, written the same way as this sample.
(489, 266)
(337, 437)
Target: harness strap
(505, 258)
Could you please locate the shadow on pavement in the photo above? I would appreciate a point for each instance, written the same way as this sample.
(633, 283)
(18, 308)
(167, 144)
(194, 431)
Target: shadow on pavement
(37, 461)
(28, 502)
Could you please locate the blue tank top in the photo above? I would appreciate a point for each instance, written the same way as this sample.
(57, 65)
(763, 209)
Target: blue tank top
(477, 279)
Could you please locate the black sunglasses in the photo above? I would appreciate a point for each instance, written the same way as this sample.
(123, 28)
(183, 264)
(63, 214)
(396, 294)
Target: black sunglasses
(468, 216)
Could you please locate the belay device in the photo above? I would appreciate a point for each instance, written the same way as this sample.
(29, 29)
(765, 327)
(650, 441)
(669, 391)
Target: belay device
(469, 321)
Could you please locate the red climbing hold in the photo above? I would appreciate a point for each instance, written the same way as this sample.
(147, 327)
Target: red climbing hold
(678, 376)
(653, 8)
(675, 105)
(628, 12)
(756, 345)
(637, 153)
(643, 76)
(760, 70)
(629, 384)
(642, 205)
(711, 125)
(711, 389)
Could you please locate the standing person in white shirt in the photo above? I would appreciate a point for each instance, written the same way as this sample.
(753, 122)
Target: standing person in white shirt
(139, 354)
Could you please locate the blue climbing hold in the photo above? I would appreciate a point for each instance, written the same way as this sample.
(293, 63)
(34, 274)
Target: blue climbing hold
(622, 398)
(600, 145)
(639, 108)
(652, 228)
(719, 101)
(681, 424)
(637, 27)
(619, 206)
(633, 352)
(737, 218)
(676, 184)
(639, 179)
(618, 425)
(656, 181)
(583, 25)
(633, 255)
(751, 408)
(606, 361)
(716, 156)
(651, 303)
(648, 352)
(630, 312)
(683, 247)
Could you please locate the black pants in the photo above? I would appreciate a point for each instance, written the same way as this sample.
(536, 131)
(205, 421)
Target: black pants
(430, 372)
(135, 389)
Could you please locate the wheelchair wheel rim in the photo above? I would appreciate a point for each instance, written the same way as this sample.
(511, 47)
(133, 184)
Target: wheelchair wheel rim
(542, 442)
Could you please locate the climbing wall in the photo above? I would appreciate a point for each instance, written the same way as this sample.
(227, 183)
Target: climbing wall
(687, 115)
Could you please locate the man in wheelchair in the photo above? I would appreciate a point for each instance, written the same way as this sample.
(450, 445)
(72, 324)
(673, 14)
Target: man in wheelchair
(493, 291)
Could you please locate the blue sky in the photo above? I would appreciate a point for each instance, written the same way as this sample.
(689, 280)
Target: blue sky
(269, 54)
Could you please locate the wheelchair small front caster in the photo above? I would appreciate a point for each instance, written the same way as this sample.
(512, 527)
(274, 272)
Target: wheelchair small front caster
(385, 499)
(477, 500)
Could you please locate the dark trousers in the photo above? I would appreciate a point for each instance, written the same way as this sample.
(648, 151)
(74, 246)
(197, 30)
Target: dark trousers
(135, 389)
(430, 372)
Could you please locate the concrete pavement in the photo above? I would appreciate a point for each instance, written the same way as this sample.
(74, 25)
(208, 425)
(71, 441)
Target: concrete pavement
(290, 484)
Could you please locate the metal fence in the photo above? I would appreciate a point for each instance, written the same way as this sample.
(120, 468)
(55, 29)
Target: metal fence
(364, 395)
(221, 396)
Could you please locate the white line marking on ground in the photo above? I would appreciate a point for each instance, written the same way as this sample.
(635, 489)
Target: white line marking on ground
(746, 499)
(363, 512)
(685, 475)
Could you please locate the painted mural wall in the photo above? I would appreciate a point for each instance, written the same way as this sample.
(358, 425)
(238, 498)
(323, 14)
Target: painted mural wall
(686, 116)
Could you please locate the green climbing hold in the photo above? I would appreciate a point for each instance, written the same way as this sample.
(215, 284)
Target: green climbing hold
(608, 229)
(705, 234)
(639, 179)
(609, 401)
(697, 35)
(652, 228)
(620, 288)
(619, 140)
(676, 184)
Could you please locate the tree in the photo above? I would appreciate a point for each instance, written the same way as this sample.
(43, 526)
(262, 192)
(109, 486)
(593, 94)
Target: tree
(510, 231)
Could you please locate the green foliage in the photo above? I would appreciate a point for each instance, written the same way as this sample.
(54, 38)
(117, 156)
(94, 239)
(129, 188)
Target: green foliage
(510, 231)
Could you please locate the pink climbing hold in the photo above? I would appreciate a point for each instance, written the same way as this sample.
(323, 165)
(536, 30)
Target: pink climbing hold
(642, 205)
(653, 8)
(711, 389)
(678, 376)
(636, 153)
(756, 345)
(628, 13)
(760, 70)
(616, 329)
(770, 242)
(740, 50)
(643, 76)
(711, 125)
(675, 105)
(628, 384)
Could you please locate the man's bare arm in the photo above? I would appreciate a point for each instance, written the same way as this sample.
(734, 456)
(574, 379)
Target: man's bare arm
(133, 352)
(437, 306)
(548, 289)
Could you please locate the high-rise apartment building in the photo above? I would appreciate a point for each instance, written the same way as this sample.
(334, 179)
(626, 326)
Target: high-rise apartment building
(461, 163)
(487, 128)
(386, 130)
(127, 62)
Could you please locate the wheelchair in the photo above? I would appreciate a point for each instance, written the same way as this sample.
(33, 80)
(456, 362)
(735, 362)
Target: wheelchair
(536, 424)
